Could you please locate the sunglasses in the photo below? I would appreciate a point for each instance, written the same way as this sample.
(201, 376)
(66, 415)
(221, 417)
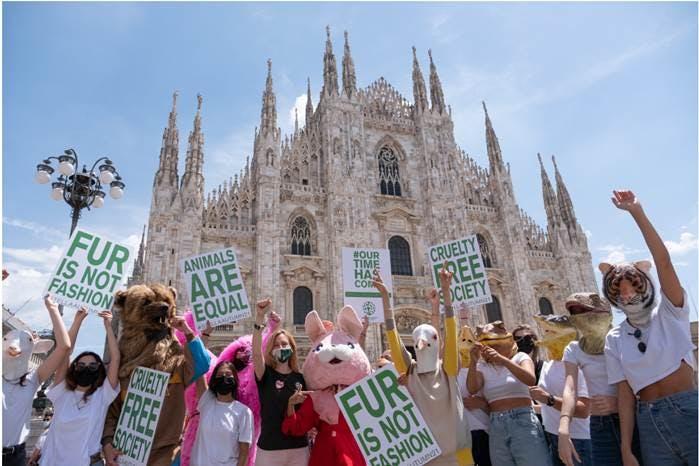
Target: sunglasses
(92, 367)
(637, 335)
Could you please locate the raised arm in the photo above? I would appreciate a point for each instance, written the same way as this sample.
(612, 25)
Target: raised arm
(114, 355)
(201, 384)
(258, 359)
(566, 449)
(669, 283)
(63, 343)
(474, 379)
(451, 332)
(401, 357)
(524, 371)
(362, 336)
(196, 357)
(74, 329)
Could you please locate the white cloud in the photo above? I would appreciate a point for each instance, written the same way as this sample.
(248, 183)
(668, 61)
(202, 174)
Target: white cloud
(617, 253)
(228, 156)
(300, 105)
(35, 228)
(687, 243)
(44, 259)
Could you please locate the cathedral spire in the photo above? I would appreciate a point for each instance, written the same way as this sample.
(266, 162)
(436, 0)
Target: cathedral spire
(349, 80)
(138, 264)
(436, 94)
(268, 115)
(494, 153)
(419, 90)
(565, 204)
(170, 147)
(309, 104)
(194, 162)
(329, 68)
(550, 201)
(296, 121)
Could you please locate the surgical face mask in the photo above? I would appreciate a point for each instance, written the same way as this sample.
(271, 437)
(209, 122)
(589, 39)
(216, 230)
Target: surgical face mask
(525, 344)
(223, 385)
(86, 376)
(282, 354)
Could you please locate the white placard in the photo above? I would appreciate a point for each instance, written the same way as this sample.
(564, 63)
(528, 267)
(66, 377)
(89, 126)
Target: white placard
(358, 265)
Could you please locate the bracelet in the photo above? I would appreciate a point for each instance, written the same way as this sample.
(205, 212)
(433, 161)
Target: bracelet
(206, 334)
(566, 415)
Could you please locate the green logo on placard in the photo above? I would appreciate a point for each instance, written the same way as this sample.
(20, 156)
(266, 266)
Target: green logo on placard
(369, 308)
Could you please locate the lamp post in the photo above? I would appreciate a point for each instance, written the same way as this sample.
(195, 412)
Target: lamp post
(80, 189)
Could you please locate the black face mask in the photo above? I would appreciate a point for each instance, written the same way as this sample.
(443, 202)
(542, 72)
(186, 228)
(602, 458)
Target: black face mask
(86, 377)
(525, 344)
(224, 385)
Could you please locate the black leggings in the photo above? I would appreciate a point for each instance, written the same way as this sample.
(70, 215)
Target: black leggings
(480, 448)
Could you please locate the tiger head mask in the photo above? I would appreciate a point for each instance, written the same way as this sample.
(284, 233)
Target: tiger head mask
(629, 288)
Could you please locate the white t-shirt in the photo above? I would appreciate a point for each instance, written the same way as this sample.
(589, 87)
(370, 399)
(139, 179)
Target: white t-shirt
(498, 381)
(593, 366)
(17, 409)
(668, 343)
(552, 379)
(477, 418)
(77, 425)
(222, 425)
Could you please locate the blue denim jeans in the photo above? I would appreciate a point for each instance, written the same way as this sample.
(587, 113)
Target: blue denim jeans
(582, 446)
(668, 428)
(517, 439)
(605, 433)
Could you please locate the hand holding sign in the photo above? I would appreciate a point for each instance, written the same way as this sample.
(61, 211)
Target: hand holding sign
(106, 317)
(111, 455)
(445, 280)
(378, 283)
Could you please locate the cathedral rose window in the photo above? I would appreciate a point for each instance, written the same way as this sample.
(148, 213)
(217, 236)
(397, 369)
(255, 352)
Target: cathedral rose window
(300, 237)
(389, 175)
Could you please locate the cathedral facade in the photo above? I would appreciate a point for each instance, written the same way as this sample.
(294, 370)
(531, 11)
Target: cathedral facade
(367, 168)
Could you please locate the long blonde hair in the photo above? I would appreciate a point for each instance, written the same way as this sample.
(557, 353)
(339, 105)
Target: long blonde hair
(270, 360)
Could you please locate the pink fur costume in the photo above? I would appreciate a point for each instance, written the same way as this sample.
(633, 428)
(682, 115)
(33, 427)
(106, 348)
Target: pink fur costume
(247, 390)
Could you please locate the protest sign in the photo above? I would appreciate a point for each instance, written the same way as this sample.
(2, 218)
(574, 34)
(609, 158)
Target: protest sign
(215, 288)
(388, 427)
(469, 285)
(139, 415)
(358, 265)
(89, 273)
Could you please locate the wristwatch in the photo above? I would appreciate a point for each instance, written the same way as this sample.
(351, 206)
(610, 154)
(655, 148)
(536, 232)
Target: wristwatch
(551, 400)
(259, 326)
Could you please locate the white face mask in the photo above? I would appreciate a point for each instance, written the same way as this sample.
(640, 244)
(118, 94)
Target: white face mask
(426, 341)
(17, 348)
(638, 314)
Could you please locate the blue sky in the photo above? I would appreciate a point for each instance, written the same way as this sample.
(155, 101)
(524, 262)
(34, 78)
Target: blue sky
(610, 89)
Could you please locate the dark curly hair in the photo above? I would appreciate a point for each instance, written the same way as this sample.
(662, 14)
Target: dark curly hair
(71, 382)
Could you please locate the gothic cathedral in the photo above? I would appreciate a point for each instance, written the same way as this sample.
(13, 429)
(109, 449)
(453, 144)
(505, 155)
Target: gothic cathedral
(367, 168)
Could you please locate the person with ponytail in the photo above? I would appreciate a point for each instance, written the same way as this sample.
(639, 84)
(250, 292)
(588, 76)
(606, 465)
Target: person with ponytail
(225, 425)
(81, 394)
(278, 378)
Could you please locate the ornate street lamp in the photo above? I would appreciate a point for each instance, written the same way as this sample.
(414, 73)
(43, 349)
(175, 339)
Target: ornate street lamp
(80, 189)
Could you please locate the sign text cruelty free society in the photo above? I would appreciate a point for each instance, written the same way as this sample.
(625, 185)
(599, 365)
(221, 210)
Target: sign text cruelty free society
(139, 415)
(463, 257)
(215, 287)
(89, 272)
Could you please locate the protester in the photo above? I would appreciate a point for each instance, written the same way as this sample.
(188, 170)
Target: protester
(557, 333)
(431, 380)
(526, 341)
(277, 376)
(476, 408)
(650, 354)
(19, 384)
(81, 398)
(591, 316)
(226, 425)
(504, 375)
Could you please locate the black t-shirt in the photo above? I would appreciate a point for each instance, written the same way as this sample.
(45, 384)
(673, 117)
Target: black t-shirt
(275, 389)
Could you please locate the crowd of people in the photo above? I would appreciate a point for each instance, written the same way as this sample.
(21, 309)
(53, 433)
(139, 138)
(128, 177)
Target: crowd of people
(577, 392)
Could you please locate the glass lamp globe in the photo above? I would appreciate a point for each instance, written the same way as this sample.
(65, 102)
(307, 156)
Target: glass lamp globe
(42, 177)
(66, 168)
(57, 194)
(116, 192)
(98, 202)
(106, 177)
